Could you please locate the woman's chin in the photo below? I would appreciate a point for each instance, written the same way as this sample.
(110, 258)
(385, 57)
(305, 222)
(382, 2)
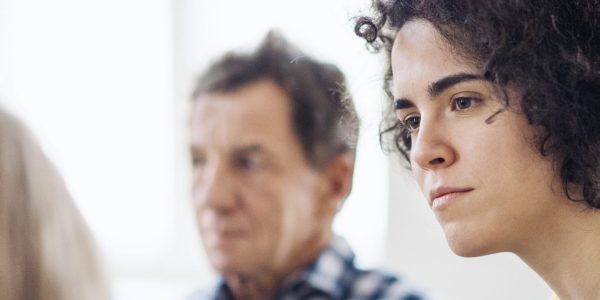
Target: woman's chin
(469, 245)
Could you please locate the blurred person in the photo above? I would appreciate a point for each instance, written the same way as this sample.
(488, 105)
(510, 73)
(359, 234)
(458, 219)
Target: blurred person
(273, 141)
(496, 106)
(46, 250)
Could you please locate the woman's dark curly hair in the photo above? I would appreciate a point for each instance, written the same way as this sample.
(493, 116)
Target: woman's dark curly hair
(548, 49)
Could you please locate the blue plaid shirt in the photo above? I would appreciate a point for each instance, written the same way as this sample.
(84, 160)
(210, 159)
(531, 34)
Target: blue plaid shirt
(334, 276)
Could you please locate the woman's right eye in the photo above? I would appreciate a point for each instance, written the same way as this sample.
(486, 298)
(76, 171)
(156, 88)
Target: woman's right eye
(412, 122)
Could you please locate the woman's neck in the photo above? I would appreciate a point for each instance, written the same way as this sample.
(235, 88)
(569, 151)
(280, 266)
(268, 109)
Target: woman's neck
(566, 252)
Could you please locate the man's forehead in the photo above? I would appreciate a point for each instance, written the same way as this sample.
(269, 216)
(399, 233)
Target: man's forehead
(254, 100)
(239, 118)
(232, 135)
(233, 120)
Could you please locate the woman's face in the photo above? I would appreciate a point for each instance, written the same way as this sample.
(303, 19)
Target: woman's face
(472, 153)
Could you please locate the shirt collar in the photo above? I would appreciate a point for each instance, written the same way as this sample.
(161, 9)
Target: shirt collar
(330, 272)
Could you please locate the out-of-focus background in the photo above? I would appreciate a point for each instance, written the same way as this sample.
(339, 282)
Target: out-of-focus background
(105, 86)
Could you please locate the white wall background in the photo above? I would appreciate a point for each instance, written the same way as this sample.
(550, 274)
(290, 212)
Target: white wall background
(95, 81)
(105, 86)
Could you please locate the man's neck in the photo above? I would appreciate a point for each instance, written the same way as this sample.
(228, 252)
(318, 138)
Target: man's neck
(265, 283)
(252, 287)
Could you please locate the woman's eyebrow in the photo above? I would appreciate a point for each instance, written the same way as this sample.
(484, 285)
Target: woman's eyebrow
(447, 82)
(403, 103)
(438, 87)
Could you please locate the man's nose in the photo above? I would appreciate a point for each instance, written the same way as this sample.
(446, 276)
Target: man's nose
(431, 146)
(214, 189)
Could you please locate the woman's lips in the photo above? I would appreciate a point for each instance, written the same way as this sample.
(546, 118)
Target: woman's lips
(441, 197)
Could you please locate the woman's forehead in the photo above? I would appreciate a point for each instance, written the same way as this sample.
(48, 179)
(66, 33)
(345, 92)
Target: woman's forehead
(420, 57)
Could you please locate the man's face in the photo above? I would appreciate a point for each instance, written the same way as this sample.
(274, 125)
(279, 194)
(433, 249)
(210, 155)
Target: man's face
(257, 200)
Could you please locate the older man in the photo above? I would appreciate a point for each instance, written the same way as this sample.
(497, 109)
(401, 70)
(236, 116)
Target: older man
(273, 137)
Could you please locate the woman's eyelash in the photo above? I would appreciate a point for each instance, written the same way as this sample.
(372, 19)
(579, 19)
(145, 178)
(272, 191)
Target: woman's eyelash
(461, 103)
(464, 103)
(411, 122)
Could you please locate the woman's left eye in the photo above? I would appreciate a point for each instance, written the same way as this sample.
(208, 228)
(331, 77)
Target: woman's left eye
(462, 103)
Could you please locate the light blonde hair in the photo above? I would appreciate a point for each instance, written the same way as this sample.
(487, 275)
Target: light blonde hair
(46, 249)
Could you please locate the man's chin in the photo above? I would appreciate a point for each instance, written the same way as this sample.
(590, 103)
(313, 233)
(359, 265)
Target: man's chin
(232, 262)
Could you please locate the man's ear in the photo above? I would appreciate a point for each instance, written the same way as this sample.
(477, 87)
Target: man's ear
(337, 181)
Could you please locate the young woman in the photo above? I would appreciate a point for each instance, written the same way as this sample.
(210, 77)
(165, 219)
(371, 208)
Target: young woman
(497, 108)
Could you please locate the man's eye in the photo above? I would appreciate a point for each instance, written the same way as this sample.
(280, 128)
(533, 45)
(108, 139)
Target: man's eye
(412, 123)
(462, 103)
(249, 163)
(198, 161)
